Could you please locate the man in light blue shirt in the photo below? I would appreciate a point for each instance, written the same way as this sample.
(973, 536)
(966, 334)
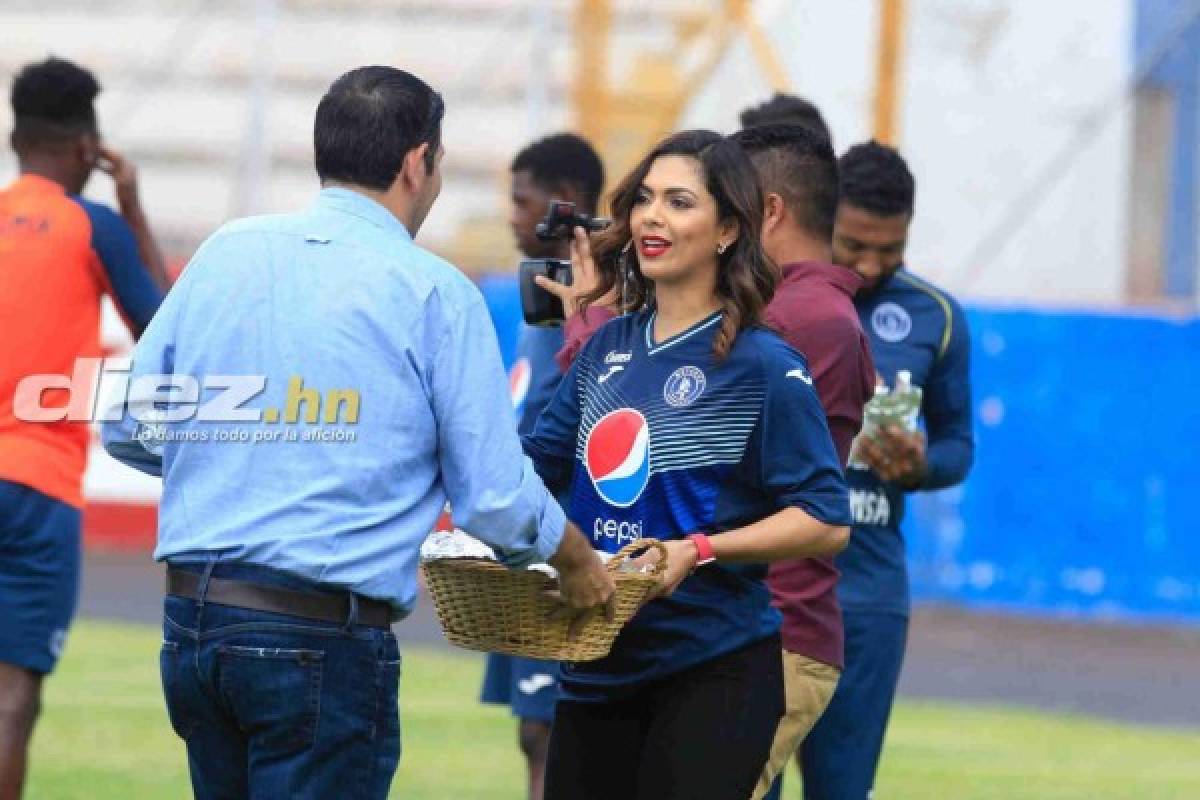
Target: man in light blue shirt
(313, 390)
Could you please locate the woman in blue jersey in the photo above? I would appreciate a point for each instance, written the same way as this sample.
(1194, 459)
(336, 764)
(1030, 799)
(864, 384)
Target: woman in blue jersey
(686, 421)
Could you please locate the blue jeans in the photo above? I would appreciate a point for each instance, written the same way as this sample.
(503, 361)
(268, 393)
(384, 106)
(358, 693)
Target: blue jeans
(841, 754)
(272, 705)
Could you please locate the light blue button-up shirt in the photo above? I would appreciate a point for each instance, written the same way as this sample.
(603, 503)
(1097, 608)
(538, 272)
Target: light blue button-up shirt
(336, 300)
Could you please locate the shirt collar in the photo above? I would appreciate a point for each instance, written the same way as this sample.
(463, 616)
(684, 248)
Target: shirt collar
(42, 183)
(841, 277)
(359, 205)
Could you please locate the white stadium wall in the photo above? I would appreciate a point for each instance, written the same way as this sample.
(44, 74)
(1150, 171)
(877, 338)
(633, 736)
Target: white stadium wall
(993, 93)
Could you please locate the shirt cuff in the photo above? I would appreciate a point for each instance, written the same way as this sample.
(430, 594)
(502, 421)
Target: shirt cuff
(550, 529)
(549, 536)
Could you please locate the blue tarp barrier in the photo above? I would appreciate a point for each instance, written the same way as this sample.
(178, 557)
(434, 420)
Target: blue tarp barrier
(1085, 491)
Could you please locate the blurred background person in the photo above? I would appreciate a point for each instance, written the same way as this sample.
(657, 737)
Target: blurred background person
(59, 256)
(913, 326)
(787, 109)
(562, 167)
(813, 310)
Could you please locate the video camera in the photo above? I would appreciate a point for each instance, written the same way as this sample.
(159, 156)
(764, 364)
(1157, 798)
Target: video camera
(539, 306)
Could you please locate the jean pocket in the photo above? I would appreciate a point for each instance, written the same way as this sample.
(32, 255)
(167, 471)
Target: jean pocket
(386, 728)
(175, 690)
(387, 682)
(274, 693)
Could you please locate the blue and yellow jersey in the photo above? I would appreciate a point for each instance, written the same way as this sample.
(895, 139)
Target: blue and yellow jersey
(658, 439)
(915, 326)
(59, 255)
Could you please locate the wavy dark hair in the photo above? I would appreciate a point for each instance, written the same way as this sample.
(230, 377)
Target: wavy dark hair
(746, 276)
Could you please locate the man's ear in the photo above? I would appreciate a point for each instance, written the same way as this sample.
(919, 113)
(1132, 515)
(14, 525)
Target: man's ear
(413, 171)
(87, 150)
(774, 211)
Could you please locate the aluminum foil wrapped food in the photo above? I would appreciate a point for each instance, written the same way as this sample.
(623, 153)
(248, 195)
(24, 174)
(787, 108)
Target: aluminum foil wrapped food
(455, 544)
(460, 544)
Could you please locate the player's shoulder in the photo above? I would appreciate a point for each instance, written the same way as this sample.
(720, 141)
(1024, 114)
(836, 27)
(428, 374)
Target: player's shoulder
(824, 324)
(943, 310)
(767, 354)
(801, 313)
(93, 208)
(102, 219)
(64, 216)
(615, 336)
(912, 284)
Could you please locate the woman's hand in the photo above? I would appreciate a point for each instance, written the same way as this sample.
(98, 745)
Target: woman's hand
(584, 277)
(681, 560)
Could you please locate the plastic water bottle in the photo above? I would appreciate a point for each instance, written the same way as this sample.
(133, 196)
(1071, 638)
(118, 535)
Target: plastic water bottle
(906, 401)
(874, 414)
(898, 406)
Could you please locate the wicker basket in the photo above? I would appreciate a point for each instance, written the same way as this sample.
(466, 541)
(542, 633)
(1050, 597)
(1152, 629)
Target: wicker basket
(485, 606)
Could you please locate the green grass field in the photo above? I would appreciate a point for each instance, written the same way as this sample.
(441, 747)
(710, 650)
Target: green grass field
(104, 734)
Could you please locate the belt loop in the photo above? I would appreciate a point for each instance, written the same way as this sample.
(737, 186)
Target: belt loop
(202, 590)
(352, 617)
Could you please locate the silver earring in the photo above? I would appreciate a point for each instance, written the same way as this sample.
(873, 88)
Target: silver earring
(721, 249)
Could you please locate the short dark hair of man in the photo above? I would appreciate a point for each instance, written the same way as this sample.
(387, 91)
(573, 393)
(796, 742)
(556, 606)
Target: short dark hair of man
(564, 158)
(52, 101)
(876, 178)
(366, 123)
(786, 109)
(798, 164)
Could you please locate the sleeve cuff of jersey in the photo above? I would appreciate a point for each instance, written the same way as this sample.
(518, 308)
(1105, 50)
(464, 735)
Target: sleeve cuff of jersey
(831, 509)
(943, 470)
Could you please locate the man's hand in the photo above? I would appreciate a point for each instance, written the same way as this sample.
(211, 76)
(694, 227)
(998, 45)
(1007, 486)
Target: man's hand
(125, 181)
(584, 584)
(124, 176)
(896, 455)
(584, 277)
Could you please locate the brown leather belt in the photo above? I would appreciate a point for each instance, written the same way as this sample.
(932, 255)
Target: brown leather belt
(331, 607)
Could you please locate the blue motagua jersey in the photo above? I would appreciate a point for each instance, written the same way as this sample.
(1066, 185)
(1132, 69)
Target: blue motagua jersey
(912, 326)
(534, 376)
(659, 440)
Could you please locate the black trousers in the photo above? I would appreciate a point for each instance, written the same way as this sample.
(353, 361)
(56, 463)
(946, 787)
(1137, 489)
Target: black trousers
(701, 734)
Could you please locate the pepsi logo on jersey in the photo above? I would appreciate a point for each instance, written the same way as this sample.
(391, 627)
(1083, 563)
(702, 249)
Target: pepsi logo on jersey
(519, 378)
(622, 532)
(617, 456)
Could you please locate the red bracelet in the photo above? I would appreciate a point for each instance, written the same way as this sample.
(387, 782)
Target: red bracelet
(704, 549)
